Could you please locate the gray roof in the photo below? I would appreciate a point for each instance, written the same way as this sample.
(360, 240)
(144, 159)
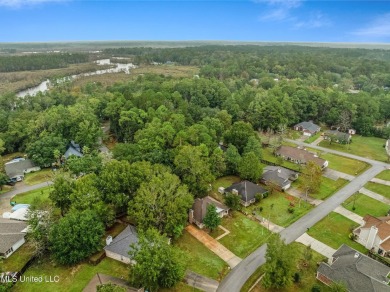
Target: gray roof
(278, 175)
(246, 189)
(73, 149)
(200, 207)
(10, 233)
(121, 244)
(13, 169)
(339, 135)
(357, 271)
(309, 126)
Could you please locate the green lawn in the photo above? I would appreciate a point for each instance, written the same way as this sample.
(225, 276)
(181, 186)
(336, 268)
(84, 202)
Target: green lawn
(73, 278)
(313, 138)
(225, 181)
(328, 187)
(28, 197)
(37, 177)
(269, 156)
(334, 230)
(365, 205)
(369, 147)
(278, 213)
(19, 258)
(307, 273)
(378, 188)
(245, 234)
(200, 259)
(345, 164)
(384, 175)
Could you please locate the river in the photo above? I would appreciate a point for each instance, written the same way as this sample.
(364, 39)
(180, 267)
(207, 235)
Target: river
(45, 85)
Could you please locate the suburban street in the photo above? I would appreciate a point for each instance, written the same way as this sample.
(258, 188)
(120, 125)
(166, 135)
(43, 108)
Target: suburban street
(240, 274)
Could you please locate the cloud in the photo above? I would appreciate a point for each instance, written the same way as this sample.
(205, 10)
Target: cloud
(20, 3)
(316, 20)
(279, 10)
(380, 27)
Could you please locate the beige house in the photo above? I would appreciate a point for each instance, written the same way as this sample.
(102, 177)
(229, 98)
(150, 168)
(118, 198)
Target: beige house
(300, 156)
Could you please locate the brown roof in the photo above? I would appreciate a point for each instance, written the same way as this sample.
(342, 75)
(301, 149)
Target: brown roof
(200, 207)
(300, 154)
(385, 245)
(382, 223)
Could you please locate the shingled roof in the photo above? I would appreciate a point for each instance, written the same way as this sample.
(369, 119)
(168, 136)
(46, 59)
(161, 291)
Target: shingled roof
(121, 244)
(246, 189)
(308, 126)
(382, 223)
(11, 232)
(357, 271)
(278, 175)
(300, 155)
(200, 207)
(15, 168)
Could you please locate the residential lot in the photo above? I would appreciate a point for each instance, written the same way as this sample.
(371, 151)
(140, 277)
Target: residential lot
(18, 259)
(384, 175)
(37, 177)
(29, 197)
(379, 189)
(328, 187)
(365, 205)
(345, 164)
(334, 230)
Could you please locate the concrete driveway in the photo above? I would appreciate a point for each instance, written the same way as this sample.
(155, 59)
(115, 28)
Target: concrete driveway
(316, 245)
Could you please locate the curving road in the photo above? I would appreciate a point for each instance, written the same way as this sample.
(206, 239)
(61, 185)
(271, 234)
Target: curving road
(240, 274)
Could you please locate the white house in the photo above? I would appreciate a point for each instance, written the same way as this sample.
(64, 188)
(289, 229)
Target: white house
(12, 235)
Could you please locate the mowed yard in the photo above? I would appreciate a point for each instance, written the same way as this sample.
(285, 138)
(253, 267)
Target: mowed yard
(29, 197)
(334, 230)
(378, 188)
(385, 175)
(369, 147)
(327, 188)
(37, 177)
(363, 205)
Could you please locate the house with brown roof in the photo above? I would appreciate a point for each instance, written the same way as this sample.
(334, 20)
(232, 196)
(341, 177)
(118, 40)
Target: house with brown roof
(300, 156)
(199, 210)
(374, 234)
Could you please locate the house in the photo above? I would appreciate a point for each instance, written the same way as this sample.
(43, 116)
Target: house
(102, 279)
(374, 234)
(247, 191)
(199, 210)
(12, 235)
(119, 247)
(73, 149)
(307, 128)
(17, 168)
(337, 136)
(300, 156)
(357, 271)
(280, 176)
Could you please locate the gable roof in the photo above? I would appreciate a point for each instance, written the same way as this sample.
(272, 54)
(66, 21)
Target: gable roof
(278, 175)
(11, 232)
(382, 223)
(309, 126)
(200, 207)
(357, 271)
(73, 149)
(300, 155)
(17, 167)
(121, 244)
(339, 135)
(247, 190)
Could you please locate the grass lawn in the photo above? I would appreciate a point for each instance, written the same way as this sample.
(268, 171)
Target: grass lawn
(225, 181)
(18, 259)
(180, 287)
(365, 205)
(269, 156)
(5, 188)
(369, 147)
(37, 177)
(378, 188)
(345, 164)
(9, 157)
(384, 175)
(245, 234)
(334, 230)
(328, 187)
(28, 197)
(200, 259)
(278, 213)
(313, 138)
(73, 278)
(307, 272)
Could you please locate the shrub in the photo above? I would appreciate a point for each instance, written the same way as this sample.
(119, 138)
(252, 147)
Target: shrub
(316, 288)
(258, 197)
(297, 277)
(291, 210)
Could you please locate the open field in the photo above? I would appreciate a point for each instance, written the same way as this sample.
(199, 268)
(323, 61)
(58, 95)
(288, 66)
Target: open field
(200, 259)
(245, 234)
(369, 147)
(384, 175)
(28, 197)
(365, 205)
(37, 177)
(328, 187)
(334, 230)
(379, 189)
(307, 273)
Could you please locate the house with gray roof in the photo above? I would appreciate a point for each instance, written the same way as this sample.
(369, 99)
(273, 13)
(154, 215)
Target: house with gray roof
(357, 271)
(73, 149)
(12, 235)
(307, 128)
(247, 191)
(279, 176)
(337, 136)
(119, 247)
(17, 168)
(199, 210)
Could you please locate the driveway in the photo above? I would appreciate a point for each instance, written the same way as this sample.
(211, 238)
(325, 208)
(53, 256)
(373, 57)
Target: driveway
(316, 245)
(381, 181)
(375, 196)
(200, 282)
(350, 215)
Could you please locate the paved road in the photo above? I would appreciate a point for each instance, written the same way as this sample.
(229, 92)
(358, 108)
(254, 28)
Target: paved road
(200, 282)
(240, 274)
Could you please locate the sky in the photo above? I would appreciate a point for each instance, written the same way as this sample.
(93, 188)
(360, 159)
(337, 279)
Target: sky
(230, 20)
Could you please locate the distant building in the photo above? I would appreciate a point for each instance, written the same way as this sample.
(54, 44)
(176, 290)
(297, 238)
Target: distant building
(280, 176)
(300, 156)
(199, 210)
(73, 149)
(17, 168)
(12, 235)
(119, 247)
(247, 191)
(337, 136)
(358, 272)
(307, 128)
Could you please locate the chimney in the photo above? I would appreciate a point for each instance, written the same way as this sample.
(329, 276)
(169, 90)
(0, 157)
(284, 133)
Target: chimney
(108, 240)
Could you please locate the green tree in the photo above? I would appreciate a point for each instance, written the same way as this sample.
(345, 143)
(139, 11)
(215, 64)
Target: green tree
(211, 220)
(253, 145)
(239, 134)
(162, 203)
(75, 237)
(42, 150)
(338, 287)
(89, 163)
(60, 195)
(250, 167)
(217, 163)
(233, 159)
(280, 264)
(312, 177)
(110, 288)
(157, 264)
(3, 179)
(233, 201)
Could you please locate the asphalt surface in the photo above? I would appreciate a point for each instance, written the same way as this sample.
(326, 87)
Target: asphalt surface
(241, 273)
